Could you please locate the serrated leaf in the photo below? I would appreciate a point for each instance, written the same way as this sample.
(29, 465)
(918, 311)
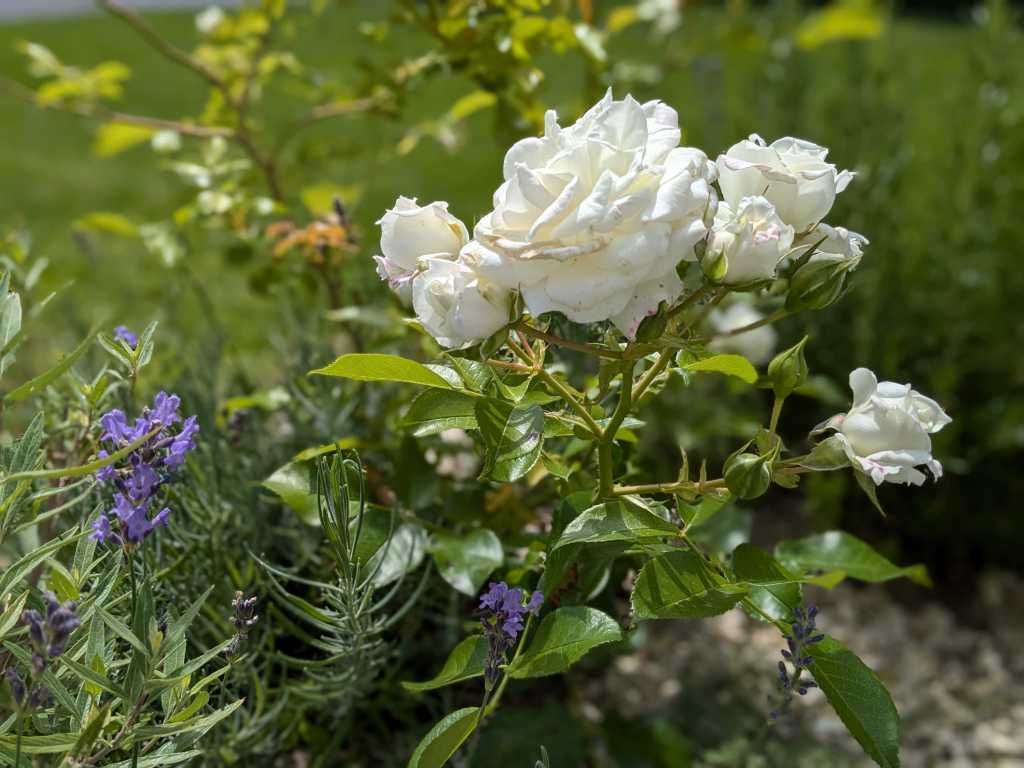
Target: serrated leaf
(563, 638)
(465, 662)
(773, 589)
(698, 513)
(444, 739)
(614, 521)
(465, 562)
(728, 364)
(513, 438)
(841, 551)
(680, 585)
(859, 698)
(377, 367)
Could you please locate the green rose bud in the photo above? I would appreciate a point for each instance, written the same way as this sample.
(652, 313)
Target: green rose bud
(748, 475)
(788, 371)
(817, 284)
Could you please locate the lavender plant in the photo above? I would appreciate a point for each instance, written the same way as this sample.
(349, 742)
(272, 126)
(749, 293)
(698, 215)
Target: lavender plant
(609, 241)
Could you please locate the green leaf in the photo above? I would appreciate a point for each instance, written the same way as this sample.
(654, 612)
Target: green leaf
(17, 570)
(376, 367)
(870, 489)
(291, 483)
(444, 739)
(403, 553)
(773, 589)
(513, 438)
(10, 322)
(615, 521)
(465, 662)
(435, 410)
(840, 551)
(105, 221)
(465, 562)
(700, 512)
(680, 585)
(730, 365)
(40, 382)
(563, 638)
(859, 698)
(10, 618)
(50, 744)
(114, 138)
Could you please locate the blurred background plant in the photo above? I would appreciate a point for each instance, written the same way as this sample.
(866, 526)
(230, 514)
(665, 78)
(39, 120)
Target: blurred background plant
(221, 172)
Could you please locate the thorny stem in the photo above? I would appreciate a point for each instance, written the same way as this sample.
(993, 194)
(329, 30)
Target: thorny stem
(575, 404)
(664, 359)
(713, 302)
(604, 447)
(681, 485)
(689, 301)
(558, 341)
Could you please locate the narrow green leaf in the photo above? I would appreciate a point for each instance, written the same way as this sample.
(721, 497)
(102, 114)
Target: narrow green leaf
(615, 521)
(120, 629)
(444, 739)
(465, 562)
(513, 437)
(730, 365)
(563, 638)
(20, 568)
(840, 551)
(40, 382)
(377, 367)
(859, 698)
(680, 585)
(465, 662)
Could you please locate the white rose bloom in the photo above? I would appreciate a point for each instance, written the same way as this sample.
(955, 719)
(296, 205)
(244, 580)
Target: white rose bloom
(757, 345)
(592, 219)
(456, 305)
(834, 244)
(747, 242)
(791, 173)
(410, 232)
(887, 432)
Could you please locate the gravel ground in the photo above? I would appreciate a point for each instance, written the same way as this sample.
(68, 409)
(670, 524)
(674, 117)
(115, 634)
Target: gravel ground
(960, 690)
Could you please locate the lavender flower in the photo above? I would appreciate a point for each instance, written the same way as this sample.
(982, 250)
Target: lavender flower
(502, 614)
(243, 619)
(17, 686)
(804, 634)
(138, 479)
(49, 635)
(121, 333)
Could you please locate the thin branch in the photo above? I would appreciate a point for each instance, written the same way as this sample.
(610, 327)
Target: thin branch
(105, 115)
(172, 52)
(773, 317)
(320, 113)
(682, 485)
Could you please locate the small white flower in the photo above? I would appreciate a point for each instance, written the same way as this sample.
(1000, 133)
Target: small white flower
(409, 233)
(791, 173)
(209, 19)
(887, 432)
(592, 219)
(757, 345)
(456, 305)
(165, 142)
(747, 243)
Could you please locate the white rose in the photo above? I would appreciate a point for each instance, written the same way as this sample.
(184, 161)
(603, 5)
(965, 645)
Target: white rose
(757, 345)
(833, 244)
(791, 173)
(592, 219)
(747, 242)
(408, 233)
(887, 432)
(456, 305)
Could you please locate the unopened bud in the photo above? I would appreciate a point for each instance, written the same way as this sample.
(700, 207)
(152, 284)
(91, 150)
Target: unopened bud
(817, 284)
(788, 371)
(748, 475)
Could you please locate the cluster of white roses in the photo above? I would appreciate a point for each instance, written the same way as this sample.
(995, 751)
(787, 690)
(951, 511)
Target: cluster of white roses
(593, 221)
